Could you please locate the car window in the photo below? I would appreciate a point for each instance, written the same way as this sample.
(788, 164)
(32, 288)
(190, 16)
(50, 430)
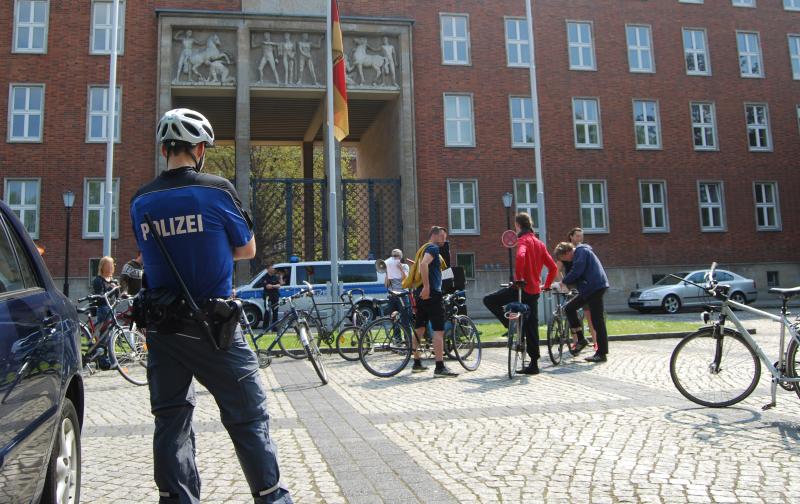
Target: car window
(26, 268)
(10, 275)
(352, 273)
(723, 276)
(698, 277)
(313, 274)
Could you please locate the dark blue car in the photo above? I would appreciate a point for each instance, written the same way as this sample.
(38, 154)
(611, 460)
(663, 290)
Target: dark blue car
(41, 389)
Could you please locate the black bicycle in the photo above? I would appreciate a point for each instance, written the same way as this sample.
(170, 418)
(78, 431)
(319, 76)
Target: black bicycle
(343, 333)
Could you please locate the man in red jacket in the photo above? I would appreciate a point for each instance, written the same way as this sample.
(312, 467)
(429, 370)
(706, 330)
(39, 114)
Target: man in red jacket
(532, 255)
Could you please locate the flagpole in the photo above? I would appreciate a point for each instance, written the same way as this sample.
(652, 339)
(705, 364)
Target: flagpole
(333, 215)
(112, 105)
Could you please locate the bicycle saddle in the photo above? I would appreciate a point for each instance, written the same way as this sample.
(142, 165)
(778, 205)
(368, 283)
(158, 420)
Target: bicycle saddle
(787, 293)
(395, 293)
(517, 308)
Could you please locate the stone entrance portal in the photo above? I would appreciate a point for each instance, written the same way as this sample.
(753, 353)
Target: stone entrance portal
(260, 79)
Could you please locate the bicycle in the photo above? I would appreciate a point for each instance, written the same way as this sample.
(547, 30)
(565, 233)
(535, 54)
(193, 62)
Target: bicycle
(516, 314)
(385, 345)
(558, 328)
(126, 348)
(296, 320)
(717, 366)
(345, 332)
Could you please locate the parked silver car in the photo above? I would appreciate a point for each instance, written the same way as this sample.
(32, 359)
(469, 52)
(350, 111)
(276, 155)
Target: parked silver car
(670, 294)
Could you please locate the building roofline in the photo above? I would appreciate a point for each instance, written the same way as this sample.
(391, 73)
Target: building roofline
(239, 14)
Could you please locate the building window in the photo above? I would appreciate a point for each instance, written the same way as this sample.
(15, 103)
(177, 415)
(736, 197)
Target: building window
(758, 134)
(466, 261)
(749, 54)
(102, 14)
(594, 214)
(581, 48)
(455, 39)
(794, 53)
(793, 5)
(646, 124)
(458, 125)
(704, 129)
(22, 196)
(772, 279)
(695, 50)
(517, 50)
(640, 49)
(691, 1)
(30, 26)
(712, 213)
(586, 119)
(744, 3)
(462, 198)
(654, 207)
(25, 113)
(94, 195)
(525, 196)
(97, 122)
(521, 122)
(768, 216)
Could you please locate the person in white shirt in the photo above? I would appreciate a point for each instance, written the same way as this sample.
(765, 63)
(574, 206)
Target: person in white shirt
(396, 270)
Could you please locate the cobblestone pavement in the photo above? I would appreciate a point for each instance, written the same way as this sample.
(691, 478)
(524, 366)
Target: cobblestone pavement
(616, 432)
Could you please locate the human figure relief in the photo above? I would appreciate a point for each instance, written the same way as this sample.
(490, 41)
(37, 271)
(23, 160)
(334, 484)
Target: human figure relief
(390, 60)
(287, 51)
(304, 48)
(188, 42)
(268, 57)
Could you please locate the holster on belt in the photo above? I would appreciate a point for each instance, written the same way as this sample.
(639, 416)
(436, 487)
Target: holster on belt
(223, 317)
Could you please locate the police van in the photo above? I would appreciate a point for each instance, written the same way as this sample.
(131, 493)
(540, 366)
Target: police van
(352, 275)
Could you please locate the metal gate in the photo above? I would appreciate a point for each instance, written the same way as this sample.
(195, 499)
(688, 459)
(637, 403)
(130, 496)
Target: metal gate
(291, 218)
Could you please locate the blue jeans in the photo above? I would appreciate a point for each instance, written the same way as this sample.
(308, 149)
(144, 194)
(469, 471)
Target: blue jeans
(174, 358)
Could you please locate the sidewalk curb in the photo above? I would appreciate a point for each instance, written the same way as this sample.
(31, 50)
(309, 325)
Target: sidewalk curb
(619, 337)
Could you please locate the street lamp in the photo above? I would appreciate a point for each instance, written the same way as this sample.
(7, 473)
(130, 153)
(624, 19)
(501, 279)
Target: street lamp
(69, 200)
(508, 199)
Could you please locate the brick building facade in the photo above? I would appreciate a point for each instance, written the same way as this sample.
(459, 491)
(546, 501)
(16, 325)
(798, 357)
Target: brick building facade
(697, 184)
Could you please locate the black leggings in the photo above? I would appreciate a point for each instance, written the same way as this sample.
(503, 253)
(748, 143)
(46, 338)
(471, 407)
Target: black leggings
(499, 298)
(595, 302)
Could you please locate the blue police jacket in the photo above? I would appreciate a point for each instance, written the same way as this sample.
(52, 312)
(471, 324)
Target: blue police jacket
(587, 272)
(200, 219)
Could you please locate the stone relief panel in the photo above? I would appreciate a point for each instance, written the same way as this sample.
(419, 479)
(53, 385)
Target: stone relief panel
(297, 59)
(204, 58)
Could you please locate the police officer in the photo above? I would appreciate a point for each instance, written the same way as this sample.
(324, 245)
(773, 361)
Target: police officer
(204, 229)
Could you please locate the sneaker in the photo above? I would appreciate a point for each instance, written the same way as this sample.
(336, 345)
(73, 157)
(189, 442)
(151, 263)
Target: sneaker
(443, 372)
(533, 369)
(598, 357)
(419, 368)
(580, 345)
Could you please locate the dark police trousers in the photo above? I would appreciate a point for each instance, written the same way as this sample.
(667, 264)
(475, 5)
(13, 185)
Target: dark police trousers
(501, 297)
(174, 357)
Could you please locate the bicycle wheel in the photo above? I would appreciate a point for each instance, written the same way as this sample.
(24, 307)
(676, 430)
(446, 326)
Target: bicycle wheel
(289, 340)
(128, 351)
(556, 339)
(713, 369)
(467, 342)
(792, 364)
(384, 347)
(347, 343)
(514, 346)
(312, 350)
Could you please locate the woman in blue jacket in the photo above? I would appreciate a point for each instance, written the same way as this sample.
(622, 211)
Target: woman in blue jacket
(588, 275)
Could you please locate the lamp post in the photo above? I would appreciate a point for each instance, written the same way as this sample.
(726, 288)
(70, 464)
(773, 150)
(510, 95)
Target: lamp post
(508, 199)
(69, 200)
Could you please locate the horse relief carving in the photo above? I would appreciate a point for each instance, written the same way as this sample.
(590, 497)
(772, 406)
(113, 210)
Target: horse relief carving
(202, 65)
(373, 66)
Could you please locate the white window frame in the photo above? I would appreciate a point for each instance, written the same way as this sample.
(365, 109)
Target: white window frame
(107, 28)
(766, 127)
(639, 48)
(526, 122)
(26, 113)
(531, 205)
(23, 207)
(520, 46)
(797, 111)
(31, 25)
(695, 52)
(763, 208)
(704, 125)
(586, 124)
(459, 120)
(593, 205)
(794, 54)
(103, 114)
(463, 207)
(691, 1)
(454, 39)
(709, 206)
(647, 125)
(582, 44)
(750, 54)
(653, 207)
(791, 5)
(100, 207)
(751, 4)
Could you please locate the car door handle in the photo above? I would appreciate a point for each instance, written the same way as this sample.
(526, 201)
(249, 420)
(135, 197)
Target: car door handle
(49, 325)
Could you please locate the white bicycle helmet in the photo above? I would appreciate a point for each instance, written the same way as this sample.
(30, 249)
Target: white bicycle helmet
(185, 125)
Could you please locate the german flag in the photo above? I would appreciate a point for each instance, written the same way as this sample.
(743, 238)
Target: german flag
(341, 123)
